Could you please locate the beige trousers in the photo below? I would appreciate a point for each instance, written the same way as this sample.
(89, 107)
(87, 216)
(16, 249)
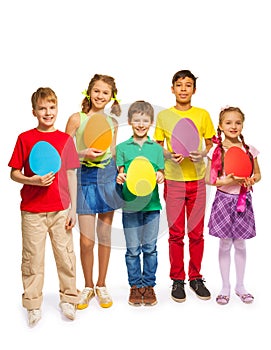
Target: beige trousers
(35, 227)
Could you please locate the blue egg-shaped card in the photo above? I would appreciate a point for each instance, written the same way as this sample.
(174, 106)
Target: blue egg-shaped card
(44, 158)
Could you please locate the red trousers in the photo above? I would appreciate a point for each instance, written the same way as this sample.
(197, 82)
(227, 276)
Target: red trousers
(185, 206)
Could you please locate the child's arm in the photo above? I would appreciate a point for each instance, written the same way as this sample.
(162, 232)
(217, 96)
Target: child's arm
(114, 140)
(71, 128)
(197, 156)
(121, 178)
(177, 158)
(160, 177)
(35, 180)
(72, 184)
(227, 180)
(256, 177)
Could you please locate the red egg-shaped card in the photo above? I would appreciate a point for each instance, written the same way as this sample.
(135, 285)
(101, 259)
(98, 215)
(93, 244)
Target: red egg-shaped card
(44, 158)
(141, 177)
(237, 162)
(98, 133)
(185, 137)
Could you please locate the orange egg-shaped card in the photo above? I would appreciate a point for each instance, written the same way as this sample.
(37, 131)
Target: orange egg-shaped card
(98, 132)
(237, 162)
(141, 177)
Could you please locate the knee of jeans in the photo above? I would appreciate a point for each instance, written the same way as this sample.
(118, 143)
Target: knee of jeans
(133, 251)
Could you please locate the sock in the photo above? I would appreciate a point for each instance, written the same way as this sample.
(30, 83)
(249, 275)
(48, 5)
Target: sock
(224, 257)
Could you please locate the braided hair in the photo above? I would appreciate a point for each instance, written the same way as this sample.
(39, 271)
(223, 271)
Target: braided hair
(219, 153)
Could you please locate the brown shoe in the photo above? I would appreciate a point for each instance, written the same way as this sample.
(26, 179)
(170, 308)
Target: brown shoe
(149, 297)
(135, 297)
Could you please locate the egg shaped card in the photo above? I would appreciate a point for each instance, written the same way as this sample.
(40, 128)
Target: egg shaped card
(98, 133)
(185, 137)
(44, 158)
(141, 177)
(237, 162)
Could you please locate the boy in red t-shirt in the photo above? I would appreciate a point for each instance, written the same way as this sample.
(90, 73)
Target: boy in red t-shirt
(48, 206)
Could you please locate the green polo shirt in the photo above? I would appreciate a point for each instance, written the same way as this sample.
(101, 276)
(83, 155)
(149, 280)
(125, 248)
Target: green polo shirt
(126, 152)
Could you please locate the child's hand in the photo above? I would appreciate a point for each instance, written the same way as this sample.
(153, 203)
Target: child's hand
(242, 181)
(160, 177)
(92, 153)
(195, 156)
(250, 181)
(71, 220)
(121, 178)
(177, 158)
(45, 180)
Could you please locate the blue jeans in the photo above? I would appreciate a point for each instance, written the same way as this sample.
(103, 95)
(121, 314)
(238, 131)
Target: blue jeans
(141, 232)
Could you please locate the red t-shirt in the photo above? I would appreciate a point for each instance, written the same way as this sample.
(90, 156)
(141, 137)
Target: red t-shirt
(38, 199)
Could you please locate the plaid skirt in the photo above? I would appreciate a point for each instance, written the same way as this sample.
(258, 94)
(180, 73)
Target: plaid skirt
(226, 222)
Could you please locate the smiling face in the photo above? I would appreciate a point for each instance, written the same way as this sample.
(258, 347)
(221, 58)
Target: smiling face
(183, 89)
(231, 124)
(46, 112)
(100, 95)
(141, 124)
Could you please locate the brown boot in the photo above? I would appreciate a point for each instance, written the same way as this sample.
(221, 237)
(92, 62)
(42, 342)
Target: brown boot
(135, 297)
(149, 297)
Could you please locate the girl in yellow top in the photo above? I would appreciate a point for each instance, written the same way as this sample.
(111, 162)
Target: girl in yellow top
(97, 194)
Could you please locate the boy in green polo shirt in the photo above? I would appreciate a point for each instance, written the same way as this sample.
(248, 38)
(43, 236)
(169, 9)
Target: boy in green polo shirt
(141, 213)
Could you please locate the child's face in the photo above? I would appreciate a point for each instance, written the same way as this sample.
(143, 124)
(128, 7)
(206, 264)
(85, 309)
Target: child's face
(183, 89)
(141, 124)
(231, 124)
(46, 113)
(100, 95)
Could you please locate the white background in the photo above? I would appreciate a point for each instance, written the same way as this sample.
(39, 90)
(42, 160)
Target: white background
(62, 44)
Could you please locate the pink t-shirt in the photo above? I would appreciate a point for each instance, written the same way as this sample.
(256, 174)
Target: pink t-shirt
(232, 189)
(56, 197)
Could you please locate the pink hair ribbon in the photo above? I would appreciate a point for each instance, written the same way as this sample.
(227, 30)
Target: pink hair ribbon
(216, 165)
(241, 203)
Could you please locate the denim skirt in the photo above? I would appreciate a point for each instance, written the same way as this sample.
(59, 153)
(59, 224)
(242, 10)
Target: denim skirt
(97, 190)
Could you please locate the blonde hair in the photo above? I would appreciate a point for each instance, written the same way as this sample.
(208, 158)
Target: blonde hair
(44, 94)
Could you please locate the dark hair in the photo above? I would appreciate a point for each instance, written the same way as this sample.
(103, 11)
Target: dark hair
(43, 93)
(141, 107)
(86, 103)
(183, 74)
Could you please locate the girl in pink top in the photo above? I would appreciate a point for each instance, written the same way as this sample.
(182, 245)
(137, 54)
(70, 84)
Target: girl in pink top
(231, 219)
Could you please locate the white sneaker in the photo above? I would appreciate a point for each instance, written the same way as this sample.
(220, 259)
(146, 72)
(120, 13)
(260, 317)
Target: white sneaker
(33, 317)
(104, 297)
(68, 310)
(86, 295)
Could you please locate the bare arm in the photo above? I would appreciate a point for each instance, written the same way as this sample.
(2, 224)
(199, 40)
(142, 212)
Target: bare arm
(114, 140)
(176, 158)
(72, 184)
(121, 178)
(35, 180)
(226, 180)
(197, 156)
(71, 128)
(160, 177)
